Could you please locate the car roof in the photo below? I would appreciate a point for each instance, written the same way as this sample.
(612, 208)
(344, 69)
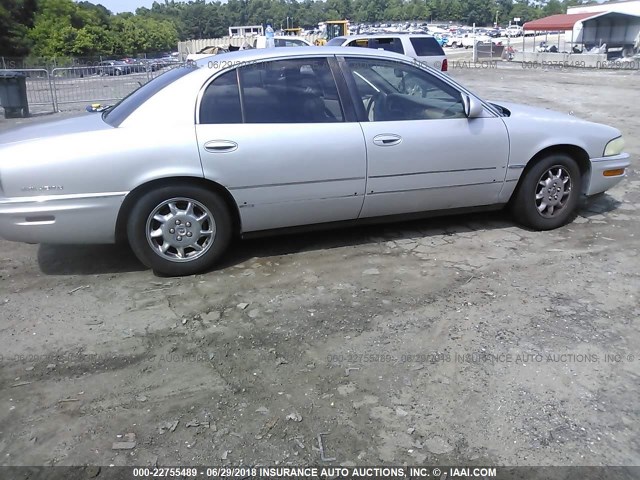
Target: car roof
(386, 34)
(294, 37)
(241, 57)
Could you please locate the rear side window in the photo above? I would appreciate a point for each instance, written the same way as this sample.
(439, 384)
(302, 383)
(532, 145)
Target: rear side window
(426, 46)
(221, 101)
(290, 91)
(391, 44)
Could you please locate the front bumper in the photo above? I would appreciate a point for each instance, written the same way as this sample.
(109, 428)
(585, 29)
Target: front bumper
(597, 182)
(61, 219)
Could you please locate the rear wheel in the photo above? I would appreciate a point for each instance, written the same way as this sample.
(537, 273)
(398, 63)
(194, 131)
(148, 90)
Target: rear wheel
(549, 193)
(179, 230)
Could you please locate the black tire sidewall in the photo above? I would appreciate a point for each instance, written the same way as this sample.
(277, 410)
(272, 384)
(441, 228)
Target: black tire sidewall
(137, 224)
(524, 206)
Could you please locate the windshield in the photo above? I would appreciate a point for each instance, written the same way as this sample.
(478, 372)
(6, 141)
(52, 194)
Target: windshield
(336, 41)
(117, 114)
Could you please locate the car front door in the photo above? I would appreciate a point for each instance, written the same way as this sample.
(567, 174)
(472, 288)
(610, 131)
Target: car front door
(277, 136)
(423, 152)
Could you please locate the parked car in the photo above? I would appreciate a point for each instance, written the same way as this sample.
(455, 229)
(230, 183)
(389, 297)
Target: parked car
(514, 31)
(454, 41)
(292, 137)
(206, 53)
(260, 41)
(469, 39)
(114, 67)
(442, 39)
(423, 48)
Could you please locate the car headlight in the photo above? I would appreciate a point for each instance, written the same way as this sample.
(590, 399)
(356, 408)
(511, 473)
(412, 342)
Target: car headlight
(614, 147)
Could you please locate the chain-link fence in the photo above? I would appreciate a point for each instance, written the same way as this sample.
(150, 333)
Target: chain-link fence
(39, 89)
(87, 81)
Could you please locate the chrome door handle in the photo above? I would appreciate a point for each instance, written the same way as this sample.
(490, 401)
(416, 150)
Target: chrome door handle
(220, 146)
(387, 140)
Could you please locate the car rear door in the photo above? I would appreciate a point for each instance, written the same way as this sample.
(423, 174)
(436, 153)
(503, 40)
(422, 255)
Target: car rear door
(278, 136)
(423, 153)
(388, 43)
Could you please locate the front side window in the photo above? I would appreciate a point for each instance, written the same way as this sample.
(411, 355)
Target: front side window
(290, 91)
(393, 91)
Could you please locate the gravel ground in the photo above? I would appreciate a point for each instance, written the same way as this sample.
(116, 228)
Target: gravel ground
(464, 339)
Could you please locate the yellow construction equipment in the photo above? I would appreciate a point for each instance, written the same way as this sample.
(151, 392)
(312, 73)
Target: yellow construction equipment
(292, 31)
(337, 28)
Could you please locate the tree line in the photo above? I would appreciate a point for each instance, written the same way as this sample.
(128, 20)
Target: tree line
(53, 28)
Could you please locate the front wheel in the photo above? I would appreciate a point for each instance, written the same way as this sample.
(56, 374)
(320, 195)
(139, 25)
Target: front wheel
(549, 193)
(179, 230)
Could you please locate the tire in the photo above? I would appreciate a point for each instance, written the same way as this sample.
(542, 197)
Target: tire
(549, 206)
(188, 251)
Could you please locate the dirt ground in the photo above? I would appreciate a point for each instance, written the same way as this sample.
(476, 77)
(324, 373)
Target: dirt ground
(460, 340)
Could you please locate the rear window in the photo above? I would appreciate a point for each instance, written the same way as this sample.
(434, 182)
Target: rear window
(426, 46)
(118, 114)
(336, 41)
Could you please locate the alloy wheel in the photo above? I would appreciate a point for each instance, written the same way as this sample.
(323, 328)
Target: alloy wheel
(553, 191)
(180, 229)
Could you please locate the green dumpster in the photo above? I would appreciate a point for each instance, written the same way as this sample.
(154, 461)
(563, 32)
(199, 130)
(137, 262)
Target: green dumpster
(13, 94)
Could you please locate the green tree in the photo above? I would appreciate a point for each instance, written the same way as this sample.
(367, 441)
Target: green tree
(16, 17)
(554, 7)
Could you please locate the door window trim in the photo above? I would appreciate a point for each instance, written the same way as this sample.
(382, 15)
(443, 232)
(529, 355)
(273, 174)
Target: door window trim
(355, 95)
(344, 95)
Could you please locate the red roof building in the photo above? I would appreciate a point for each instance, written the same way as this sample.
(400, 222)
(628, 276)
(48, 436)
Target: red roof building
(556, 23)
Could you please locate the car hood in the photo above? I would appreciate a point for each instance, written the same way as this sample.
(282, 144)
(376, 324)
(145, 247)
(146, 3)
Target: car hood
(532, 129)
(82, 123)
(519, 110)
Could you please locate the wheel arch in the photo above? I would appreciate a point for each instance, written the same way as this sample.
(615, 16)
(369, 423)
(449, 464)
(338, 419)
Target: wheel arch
(140, 190)
(577, 153)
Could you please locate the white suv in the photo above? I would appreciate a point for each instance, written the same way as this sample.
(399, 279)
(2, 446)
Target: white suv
(514, 31)
(423, 48)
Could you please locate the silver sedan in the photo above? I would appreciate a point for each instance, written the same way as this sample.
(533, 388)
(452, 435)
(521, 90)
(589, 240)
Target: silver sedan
(264, 140)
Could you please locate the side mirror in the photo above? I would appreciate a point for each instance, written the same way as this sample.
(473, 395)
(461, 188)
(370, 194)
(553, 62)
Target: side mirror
(472, 106)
